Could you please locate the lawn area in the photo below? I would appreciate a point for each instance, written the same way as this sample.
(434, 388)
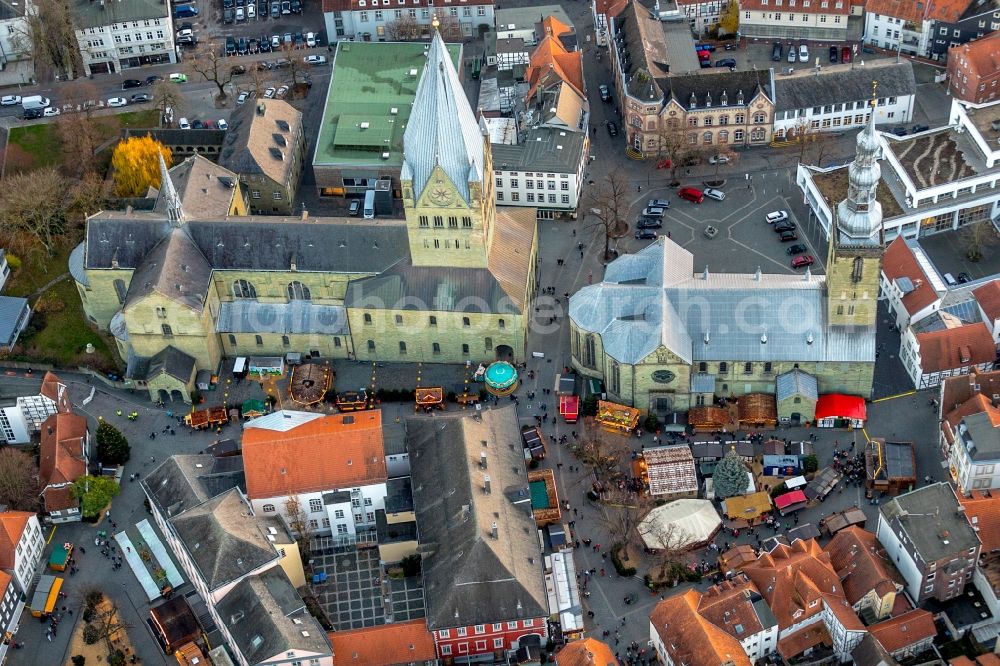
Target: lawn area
(64, 337)
(40, 145)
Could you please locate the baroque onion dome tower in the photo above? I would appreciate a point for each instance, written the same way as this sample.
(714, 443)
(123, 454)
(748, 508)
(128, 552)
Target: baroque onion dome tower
(447, 173)
(856, 245)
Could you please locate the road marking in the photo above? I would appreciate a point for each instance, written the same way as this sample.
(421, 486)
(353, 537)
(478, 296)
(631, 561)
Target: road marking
(893, 397)
(864, 432)
(51, 534)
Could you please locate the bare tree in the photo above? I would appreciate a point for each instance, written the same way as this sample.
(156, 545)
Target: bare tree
(603, 455)
(609, 205)
(80, 135)
(450, 28)
(295, 67)
(49, 35)
(976, 237)
(403, 29)
(622, 515)
(259, 76)
(33, 207)
(208, 61)
(166, 95)
(298, 521)
(107, 622)
(675, 142)
(669, 543)
(724, 154)
(18, 479)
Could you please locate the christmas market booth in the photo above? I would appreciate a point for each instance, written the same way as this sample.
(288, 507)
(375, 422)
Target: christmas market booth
(757, 410)
(836, 410)
(791, 502)
(426, 399)
(708, 418)
(309, 383)
(747, 507)
(612, 416)
(569, 408)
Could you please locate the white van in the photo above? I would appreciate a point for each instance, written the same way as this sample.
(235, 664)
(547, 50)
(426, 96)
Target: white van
(240, 367)
(369, 207)
(35, 102)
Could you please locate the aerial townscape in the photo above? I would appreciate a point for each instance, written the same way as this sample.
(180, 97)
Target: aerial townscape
(433, 332)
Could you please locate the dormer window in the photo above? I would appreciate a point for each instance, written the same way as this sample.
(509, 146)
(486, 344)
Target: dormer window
(708, 100)
(739, 98)
(693, 102)
(724, 99)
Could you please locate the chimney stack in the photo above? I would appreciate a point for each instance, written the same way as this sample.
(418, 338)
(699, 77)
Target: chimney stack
(494, 530)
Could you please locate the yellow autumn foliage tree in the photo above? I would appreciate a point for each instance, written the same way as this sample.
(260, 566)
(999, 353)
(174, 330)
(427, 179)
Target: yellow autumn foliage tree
(136, 167)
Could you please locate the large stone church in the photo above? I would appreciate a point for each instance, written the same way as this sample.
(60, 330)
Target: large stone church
(664, 337)
(195, 279)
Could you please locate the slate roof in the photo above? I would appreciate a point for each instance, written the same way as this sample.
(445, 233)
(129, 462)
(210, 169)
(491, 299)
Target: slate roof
(176, 269)
(796, 382)
(640, 37)
(398, 495)
(266, 618)
(470, 577)
(173, 362)
(251, 140)
(870, 652)
(182, 482)
(257, 243)
(544, 149)
(711, 87)
(251, 316)
(443, 131)
(88, 14)
(223, 539)
(205, 188)
(653, 298)
(926, 513)
(983, 435)
(435, 289)
(843, 83)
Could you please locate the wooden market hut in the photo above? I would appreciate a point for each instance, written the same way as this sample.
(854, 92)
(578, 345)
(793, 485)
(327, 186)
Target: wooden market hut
(612, 416)
(757, 410)
(428, 398)
(708, 418)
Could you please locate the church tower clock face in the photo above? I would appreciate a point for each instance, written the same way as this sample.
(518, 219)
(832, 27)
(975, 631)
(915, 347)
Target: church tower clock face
(441, 196)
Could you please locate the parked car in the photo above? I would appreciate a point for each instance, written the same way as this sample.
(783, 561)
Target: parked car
(314, 60)
(51, 111)
(287, 40)
(605, 93)
(139, 98)
(236, 70)
(776, 52)
(798, 248)
(692, 194)
(802, 261)
(131, 83)
(241, 14)
(726, 62)
(230, 46)
(833, 54)
(845, 54)
(282, 63)
(282, 91)
(275, 9)
(243, 97)
(269, 93)
(286, 7)
(718, 159)
(788, 236)
(776, 216)
(183, 123)
(275, 42)
(10, 100)
(178, 78)
(153, 80)
(649, 223)
(252, 45)
(919, 128)
(228, 4)
(187, 40)
(296, 6)
(787, 225)
(251, 11)
(803, 53)
(964, 277)
(265, 44)
(658, 203)
(32, 114)
(354, 208)
(310, 39)
(713, 193)
(223, 124)
(612, 128)
(899, 131)
(228, 15)
(646, 234)
(791, 53)
(117, 101)
(705, 47)
(653, 212)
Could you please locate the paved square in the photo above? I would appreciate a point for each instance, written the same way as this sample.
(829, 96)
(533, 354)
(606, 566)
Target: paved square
(406, 599)
(352, 593)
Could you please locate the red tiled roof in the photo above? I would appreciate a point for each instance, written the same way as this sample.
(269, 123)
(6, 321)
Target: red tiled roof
(385, 645)
(983, 513)
(803, 639)
(551, 55)
(957, 347)
(898, 261)
(801, 6)
(988, 296)
(588, 652)
(61, 455)
(838, 405)
(728, 605)
(860, 563)
(5, 579)
(904, 630)
(352, 5)
(55, 390)
(59, 498)
(610, 8)
(690, 638)
(12, 526)
(342, 451)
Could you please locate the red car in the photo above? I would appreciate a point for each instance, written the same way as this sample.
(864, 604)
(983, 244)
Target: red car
(845, 54)
(802, 261)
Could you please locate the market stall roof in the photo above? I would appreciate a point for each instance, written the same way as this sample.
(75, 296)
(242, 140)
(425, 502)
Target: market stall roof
(253, 407)
(681, 523)
(569, 404)
(757, 408)
(822, 483)
(708, 416)
(670, 469)
(788, 499)
(840, 406)
(615, 415)
(747, 506)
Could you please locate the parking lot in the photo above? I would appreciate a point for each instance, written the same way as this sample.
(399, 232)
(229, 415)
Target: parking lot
(744, 240)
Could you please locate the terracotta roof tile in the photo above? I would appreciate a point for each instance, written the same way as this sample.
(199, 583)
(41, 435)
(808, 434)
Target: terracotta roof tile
(690, 638)
(553, 26)
(385, 645)
(901, 9)
(54, 389)
(983, 512)
(950, 348)
(588, 652)
(898, 261)
(343, 450)
(988, 296)
(904, 630)
(801, 640)
(5, 579)
(61, 458)
(551, 55)
(610, 8)
(859, 561)
(59, 498)
(12, 526)
(956, 390)
(729, 604)
(988, 659)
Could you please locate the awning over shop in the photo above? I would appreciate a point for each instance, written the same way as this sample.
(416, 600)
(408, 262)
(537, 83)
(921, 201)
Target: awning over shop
(840, 406)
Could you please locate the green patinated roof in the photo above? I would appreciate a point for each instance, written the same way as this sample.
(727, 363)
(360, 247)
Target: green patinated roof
(369, 80)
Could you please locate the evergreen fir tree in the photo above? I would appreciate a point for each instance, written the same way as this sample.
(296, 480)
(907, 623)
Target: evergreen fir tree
(730, 476)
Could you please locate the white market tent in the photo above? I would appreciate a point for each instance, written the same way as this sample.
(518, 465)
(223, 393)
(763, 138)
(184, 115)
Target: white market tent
(683, 523)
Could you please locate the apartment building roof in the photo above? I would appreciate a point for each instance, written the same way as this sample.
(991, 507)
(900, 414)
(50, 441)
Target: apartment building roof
(737, 607)
(690, 638)
(385, 645)
(344, 450)
(861, 565)
(949, 348)
(870, 652)
(984, 431)
(522, 18)
(550, 56)
(61, 457)
(842, 7)
(917, 11)
(809, 87)
(90, 14)
(988, 295)
(586, 652)
(718, 88)
(930, 518)
(900, 265)
(904, 630)
(55, 390)
(982, 55)
(543, 149)
(182, 482)
(957, 390)
(261, 139)
(12, 526)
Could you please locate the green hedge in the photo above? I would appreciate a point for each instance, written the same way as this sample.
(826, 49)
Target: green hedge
(621, 567)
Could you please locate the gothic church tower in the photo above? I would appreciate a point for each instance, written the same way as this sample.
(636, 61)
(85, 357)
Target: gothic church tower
(447, 173)
(855, 257)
